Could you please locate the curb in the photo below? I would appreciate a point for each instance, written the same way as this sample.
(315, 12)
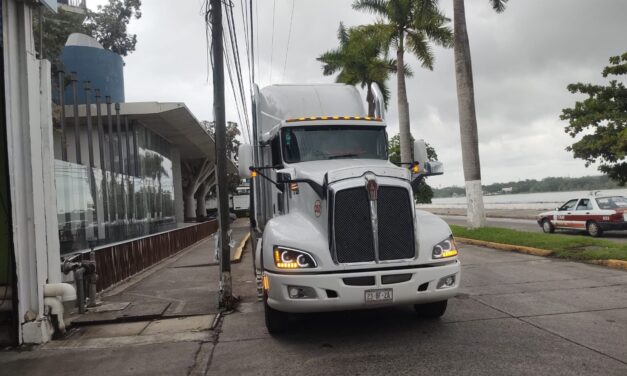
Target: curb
(613, 264)
(237, 252)
(506, 247)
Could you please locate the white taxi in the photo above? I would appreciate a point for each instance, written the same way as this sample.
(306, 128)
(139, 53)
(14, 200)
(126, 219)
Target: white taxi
(592, 214)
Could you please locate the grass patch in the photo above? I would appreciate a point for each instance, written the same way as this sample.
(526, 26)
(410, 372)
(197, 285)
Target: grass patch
(563, 246)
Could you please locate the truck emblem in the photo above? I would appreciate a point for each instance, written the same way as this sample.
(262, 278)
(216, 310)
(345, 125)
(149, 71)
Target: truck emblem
(372, 187)
(317, 208)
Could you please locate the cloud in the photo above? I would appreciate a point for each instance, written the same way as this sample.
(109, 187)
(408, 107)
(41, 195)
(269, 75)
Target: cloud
(522, 61)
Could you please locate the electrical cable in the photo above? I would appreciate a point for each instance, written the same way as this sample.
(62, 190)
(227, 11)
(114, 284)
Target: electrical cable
(272, 45)
(289, 37)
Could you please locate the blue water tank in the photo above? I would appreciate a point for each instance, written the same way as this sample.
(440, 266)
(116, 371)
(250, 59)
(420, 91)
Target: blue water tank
(91, 62)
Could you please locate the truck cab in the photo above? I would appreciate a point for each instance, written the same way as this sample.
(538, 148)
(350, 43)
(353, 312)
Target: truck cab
(334, 221)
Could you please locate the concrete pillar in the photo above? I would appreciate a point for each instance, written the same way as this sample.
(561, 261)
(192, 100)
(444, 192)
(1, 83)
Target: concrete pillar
(189, 203)
(201, 199)
(30, 184)
(177, 180)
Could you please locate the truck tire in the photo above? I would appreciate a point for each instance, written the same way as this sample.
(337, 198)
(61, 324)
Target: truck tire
(276, 321)
(431, 310)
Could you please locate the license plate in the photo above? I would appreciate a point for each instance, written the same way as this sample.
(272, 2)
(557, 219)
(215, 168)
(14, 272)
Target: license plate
(378, 296)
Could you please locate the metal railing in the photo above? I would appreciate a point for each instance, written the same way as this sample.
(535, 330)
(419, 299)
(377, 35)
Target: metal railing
(117, 262)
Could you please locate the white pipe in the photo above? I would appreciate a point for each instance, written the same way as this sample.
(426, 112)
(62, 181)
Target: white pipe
(56, 308)
(66, 291)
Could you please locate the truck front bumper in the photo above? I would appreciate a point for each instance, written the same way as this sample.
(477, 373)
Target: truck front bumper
(337, 291)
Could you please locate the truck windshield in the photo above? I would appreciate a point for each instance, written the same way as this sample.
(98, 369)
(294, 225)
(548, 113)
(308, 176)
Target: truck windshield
(314, 143)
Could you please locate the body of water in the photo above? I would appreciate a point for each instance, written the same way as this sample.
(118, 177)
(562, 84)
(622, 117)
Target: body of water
(544, 200)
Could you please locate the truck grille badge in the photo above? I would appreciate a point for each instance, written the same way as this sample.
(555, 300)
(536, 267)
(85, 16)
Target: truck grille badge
(373, 188)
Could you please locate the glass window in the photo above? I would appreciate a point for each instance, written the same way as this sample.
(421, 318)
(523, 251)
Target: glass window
(119, 206)
(570, 205)
(584, 204)
(301, 144)
(615, 202)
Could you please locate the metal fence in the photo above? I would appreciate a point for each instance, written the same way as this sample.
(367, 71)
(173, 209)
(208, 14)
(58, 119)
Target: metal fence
(117, 262)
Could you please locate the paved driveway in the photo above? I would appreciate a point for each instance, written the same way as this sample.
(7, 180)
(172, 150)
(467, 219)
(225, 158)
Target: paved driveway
(517, 315)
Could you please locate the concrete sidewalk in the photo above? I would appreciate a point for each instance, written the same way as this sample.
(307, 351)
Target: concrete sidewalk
(157, 323)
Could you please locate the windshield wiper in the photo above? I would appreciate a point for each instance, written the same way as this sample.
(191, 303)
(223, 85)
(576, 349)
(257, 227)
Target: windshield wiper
(343, 156)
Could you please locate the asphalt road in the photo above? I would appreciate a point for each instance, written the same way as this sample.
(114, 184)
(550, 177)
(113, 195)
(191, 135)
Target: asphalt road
(531, 225)
(517, 315)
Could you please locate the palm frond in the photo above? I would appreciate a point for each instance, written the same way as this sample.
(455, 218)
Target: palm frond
(418, 44)
(498, 5)
(342, 34)
(377, 7)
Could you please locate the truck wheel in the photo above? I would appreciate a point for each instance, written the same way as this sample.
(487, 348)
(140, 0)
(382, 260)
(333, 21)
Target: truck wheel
(431, 310)
(547, 227)
(276, 321)
(594, 229)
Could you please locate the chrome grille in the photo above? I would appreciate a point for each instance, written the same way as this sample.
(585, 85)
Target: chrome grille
(351, 224)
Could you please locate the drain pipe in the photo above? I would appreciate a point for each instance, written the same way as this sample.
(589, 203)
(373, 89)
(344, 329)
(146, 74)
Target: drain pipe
(80, 269)
(54, 296)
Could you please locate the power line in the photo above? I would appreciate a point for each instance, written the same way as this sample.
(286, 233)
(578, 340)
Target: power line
(237, 66)
(289, 36)
(272, 45)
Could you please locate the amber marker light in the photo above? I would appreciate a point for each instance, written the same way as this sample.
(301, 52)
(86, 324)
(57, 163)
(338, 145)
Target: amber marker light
(294, 187)
(253, 174)
(266, 282)
(415, 168)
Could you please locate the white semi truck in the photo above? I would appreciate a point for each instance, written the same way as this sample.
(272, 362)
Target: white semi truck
(334, 221)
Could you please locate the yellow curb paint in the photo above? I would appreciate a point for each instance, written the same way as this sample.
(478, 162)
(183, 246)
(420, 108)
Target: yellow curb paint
(237, 254)
(506, 247)
(614, 264)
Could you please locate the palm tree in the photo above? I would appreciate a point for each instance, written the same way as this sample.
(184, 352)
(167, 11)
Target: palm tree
(411, 25)
(467, 115)
(360, 60)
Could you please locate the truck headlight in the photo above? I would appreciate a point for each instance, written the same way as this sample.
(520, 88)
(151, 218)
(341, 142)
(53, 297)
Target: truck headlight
(288, 258)
(445, 248)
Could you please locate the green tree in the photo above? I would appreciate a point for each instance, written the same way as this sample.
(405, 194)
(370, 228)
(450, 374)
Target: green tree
(467, 114)
(108, 24)
(232, 148)
(360, 60)
(412, 25)
(232, 132)
(422, 191)
(602, 120)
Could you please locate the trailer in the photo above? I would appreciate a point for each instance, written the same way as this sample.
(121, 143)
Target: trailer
(334, 221)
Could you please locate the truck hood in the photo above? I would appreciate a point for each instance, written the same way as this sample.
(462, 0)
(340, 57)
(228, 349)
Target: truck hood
(339, 169)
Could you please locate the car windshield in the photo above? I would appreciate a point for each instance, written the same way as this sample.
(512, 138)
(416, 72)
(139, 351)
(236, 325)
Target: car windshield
(313, 143)
(615, 202)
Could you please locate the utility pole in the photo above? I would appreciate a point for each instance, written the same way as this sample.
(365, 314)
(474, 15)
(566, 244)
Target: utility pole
(226, 291)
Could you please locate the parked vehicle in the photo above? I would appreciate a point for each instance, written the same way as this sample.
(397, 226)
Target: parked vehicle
(592, 214)
(335, 227)
(240, 201)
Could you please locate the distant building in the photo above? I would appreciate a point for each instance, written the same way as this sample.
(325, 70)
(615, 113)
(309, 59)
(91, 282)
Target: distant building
(507, 190)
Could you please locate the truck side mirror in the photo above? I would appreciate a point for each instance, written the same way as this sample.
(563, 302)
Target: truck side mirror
(420, 152)
(245, 159)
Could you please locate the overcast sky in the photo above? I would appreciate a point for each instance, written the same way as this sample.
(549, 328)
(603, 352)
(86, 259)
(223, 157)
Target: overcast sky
(523, 60)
